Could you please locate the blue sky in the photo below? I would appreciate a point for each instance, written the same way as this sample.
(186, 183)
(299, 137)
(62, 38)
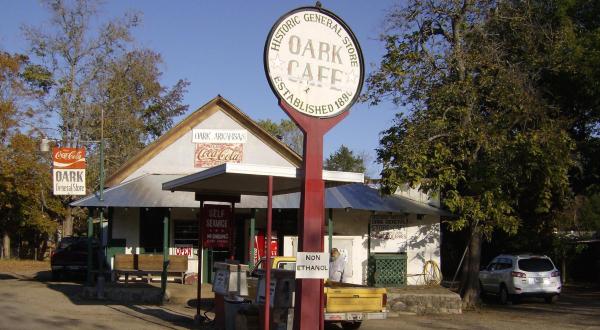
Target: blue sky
(218, 47)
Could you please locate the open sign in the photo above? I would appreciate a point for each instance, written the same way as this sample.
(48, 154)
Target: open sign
(184, 250)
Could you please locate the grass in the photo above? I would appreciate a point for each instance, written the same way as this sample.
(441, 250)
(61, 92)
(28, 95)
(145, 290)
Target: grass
(17, 265)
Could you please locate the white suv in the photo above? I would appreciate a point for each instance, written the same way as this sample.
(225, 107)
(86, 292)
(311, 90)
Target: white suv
(516, 276)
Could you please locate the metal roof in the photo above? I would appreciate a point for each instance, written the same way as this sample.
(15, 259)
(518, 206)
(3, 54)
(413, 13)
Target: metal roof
(146, 191)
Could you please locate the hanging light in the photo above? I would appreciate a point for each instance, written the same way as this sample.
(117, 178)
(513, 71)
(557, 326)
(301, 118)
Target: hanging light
(45, 145)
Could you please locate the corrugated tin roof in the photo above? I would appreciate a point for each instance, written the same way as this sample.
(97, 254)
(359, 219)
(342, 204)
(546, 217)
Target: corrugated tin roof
(146, 191)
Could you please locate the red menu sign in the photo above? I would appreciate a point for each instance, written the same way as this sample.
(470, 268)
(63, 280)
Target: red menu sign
(217, 229)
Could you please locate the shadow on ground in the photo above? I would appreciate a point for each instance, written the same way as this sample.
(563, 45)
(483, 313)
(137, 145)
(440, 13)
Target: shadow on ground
(72, 286)
(581, 303)
(7, 277)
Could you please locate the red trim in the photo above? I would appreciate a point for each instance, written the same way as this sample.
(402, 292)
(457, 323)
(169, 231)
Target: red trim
(268, 253)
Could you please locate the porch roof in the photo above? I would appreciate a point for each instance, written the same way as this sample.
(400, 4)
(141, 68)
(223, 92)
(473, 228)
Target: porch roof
(251, 179)
(146, 191)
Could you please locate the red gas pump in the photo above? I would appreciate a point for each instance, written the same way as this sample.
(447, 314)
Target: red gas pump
(260, 246)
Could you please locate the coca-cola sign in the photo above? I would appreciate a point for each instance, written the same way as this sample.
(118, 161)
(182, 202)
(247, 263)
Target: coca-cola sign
(68, 158)
(213, 154)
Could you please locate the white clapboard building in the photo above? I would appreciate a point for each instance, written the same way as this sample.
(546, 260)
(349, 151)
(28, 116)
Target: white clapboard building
(362, 223)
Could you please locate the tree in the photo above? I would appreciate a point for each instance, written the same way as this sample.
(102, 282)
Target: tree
(27, 208)
(285, 131)
(477, 131)
(32, 212)
(344, 159)
(137, 107)
(76, 57)
(96, 73)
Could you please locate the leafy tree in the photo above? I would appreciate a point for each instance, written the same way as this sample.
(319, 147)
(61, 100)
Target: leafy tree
(76, 56)
(477, 131)
(32, 212)
(96, 73)
(344, 159)
(27, 207)
(20, 82)
(137, 107)
(286, 131)
(560, 46)
(590, 213)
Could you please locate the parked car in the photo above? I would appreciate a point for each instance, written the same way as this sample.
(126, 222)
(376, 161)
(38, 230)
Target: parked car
(523, 275)
(71, 256)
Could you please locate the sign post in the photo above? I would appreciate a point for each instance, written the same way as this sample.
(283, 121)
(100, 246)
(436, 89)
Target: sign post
(315, 67)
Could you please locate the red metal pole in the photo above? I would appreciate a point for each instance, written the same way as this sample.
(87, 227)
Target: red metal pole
(307, 314)
(266, 323)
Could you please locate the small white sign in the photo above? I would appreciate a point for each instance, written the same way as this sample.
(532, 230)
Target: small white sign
(312, 265)
(68, 182)
(219, 136)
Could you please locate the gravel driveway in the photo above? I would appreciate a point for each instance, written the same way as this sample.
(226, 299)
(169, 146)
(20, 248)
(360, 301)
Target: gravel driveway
(28, 300)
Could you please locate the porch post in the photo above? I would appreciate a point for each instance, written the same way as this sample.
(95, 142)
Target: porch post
(163, 277)
(101, 258)
(232, 232)
(90, 233)
(102, 238)
(330, 229)
(199, 318)
(252, 237)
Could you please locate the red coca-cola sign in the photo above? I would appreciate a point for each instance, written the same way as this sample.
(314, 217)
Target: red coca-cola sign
(213, 154)
(68, 158)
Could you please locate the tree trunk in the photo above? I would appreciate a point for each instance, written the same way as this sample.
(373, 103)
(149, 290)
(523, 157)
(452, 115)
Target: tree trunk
(469, 289)
(43, 247)
(5, 246)
(67, 229)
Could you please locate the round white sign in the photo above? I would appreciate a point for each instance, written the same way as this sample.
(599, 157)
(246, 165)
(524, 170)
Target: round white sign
(314, 62)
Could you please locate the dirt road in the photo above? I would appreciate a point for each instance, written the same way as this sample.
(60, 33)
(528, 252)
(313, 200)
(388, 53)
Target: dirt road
(28, 300)
(33, 303)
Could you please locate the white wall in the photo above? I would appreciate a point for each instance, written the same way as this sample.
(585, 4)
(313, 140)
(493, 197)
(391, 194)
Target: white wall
(422, 243)
(178, 158)
(417, 195)
(126, 225)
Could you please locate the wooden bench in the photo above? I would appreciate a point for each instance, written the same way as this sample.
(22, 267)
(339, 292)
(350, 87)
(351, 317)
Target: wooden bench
(146, 265)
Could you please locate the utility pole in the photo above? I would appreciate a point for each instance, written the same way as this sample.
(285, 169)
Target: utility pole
(102, 258)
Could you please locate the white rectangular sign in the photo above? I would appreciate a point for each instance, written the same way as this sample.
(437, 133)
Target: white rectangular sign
(312, 265)
(219, 136)
(69, 181)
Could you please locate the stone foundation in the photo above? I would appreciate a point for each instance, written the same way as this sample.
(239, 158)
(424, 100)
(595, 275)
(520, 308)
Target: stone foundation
(423, 300)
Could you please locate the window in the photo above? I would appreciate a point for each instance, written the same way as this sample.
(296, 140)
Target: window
(151, 229)
(536, 265)
(287, 265)
(185, 232)
(504, 263)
